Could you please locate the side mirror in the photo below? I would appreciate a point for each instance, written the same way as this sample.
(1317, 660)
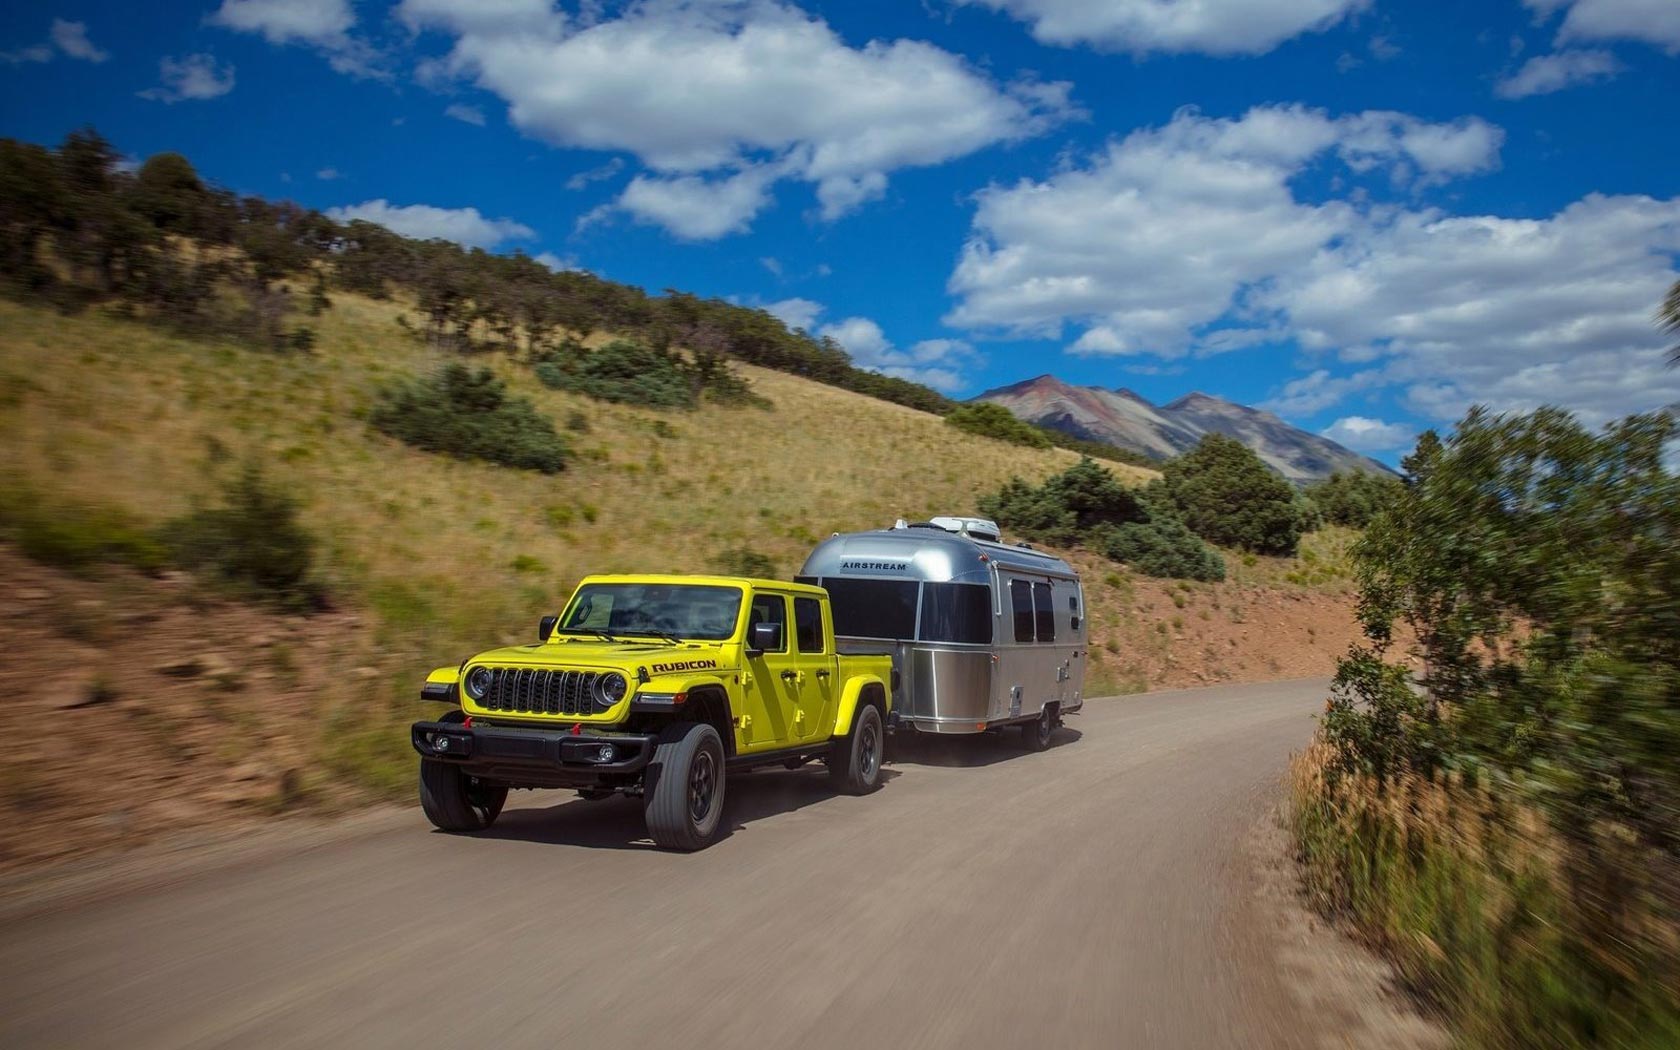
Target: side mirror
(764, 637)
(545, 627)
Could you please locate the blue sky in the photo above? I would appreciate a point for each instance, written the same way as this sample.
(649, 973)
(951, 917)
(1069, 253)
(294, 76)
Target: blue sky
(1363, 215)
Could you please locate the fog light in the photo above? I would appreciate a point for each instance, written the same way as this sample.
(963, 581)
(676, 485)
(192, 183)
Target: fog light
(440, 743)
(606, 754)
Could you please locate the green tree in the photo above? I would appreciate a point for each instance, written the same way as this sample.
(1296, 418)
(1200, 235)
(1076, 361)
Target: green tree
(468, 413)
(1353, 498)
(169, 194)
(995, 421)
(1669, 318)
(1226, 495)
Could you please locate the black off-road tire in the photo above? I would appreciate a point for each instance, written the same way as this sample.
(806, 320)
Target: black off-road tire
(454, 801)
(855, 760)
(683, 794)
(1035, 735)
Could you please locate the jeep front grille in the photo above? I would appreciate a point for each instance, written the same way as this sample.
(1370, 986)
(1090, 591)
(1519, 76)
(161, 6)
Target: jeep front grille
(540, 692)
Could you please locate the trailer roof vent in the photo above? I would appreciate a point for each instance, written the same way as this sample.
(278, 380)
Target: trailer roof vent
(975, 528)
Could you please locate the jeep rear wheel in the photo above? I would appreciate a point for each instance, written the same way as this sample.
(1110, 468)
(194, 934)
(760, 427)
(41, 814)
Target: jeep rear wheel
(855, 759)
(454, 801)
(685, 786)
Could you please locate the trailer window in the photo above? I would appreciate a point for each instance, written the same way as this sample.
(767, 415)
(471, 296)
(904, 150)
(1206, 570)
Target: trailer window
(807, 624)
(1020, 599)
(957, 612)
(872, 608)
(1045, 611)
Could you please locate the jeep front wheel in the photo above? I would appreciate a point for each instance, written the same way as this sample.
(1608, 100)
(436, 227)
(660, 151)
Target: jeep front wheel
(454, 801)
(855, 759)
(684, 791)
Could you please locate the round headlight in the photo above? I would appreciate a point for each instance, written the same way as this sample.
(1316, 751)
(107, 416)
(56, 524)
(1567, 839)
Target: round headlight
(610, 689)
(478, 682)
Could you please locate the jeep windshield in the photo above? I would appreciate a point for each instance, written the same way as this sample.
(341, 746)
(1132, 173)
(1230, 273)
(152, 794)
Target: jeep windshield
(653, 610)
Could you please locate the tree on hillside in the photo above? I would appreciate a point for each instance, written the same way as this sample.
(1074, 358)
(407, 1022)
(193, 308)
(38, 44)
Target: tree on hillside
(994, 421)
(1353, 498)
(168, 194)
(1228, 496)
(1669, 318)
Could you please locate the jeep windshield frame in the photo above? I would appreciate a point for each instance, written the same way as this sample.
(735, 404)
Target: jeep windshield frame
(683, 611)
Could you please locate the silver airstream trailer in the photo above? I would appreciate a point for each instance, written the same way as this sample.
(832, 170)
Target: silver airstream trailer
(983, 634)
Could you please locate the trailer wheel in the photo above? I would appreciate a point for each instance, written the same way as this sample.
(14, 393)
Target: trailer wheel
(855, 760)
(1035, 735)
(454, 801)
(684, 792)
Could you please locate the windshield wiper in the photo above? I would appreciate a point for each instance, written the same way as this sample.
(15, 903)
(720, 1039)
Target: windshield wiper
(596, 631)
(661, 635)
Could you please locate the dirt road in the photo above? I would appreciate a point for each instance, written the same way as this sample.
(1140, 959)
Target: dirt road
(1093, 895)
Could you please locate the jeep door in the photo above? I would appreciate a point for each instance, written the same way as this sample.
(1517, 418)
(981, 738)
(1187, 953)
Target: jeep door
(772, 693)
(814, 665)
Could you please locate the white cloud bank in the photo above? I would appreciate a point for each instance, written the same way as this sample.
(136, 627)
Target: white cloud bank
(324, 25)
(1544, 74)
(1211, 27)
(722, 100)
(1193, 239)
(461, 225)
(1370, 435)
(1655, 22)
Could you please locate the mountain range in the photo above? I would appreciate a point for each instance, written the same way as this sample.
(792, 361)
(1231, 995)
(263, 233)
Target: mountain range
(1123, 418)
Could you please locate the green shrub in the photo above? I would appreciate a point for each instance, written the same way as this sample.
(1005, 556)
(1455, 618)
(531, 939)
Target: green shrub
(994, 421)
(1086, 505)
(1534, 568)
(744, 561)
(624, 372)
(1353, 498)
(253, 541)
(1226, 495)
(468, 413)
(75, 536)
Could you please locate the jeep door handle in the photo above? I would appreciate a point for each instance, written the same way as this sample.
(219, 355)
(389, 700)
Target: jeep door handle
(822, 674)
(790, 676)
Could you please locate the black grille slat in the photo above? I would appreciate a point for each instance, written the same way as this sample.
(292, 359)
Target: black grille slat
(541, 691)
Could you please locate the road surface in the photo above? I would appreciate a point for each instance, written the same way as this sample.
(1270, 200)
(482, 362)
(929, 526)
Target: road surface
(1092, 895)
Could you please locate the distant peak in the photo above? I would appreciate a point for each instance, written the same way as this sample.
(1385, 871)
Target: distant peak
(1040, 383)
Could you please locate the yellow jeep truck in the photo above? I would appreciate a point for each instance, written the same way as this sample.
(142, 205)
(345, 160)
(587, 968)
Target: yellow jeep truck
(655, 686)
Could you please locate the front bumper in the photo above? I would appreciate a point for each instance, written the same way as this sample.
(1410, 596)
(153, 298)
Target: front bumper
(521, 757)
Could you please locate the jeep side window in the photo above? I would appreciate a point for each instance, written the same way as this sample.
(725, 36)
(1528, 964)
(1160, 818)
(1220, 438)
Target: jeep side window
(769, 608)
(807, 620)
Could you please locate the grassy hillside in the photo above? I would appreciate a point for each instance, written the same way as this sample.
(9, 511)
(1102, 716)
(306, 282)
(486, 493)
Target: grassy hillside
(116, 412)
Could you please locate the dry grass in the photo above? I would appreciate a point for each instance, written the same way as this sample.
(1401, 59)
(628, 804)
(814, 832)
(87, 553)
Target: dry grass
(124, 414)
(1517, 939)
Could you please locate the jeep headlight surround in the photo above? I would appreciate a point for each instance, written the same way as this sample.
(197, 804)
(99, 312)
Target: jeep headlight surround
(477, 683)
(610, 688)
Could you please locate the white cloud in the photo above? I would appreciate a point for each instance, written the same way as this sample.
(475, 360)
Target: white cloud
(596, 174)
(461, 225)
(795, 313)
(693, 207)
(33, 53)
(72, 39)
(1156, 236)
(1544, 74)
(1370, 435)
(1512, 312)
(1196, 239)
(320, 22)
(329, 174)
(722, 99)
(1213, 27)
(558, 263)
(1654, 22)
(932, 362)
(190, 78)
(465, 113)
